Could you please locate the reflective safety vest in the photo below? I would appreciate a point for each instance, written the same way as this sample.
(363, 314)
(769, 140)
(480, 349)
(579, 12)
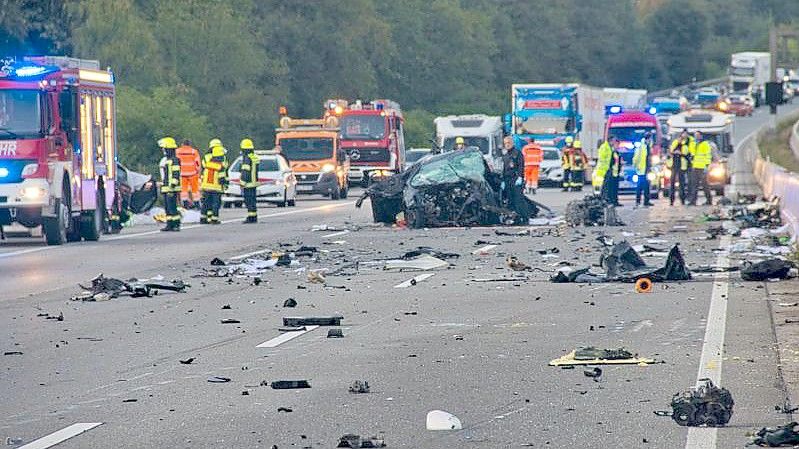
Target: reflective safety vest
(702, 156)
(604, 153)
(249, 169)
(615, 164)
(214, 170)
(533, 155)
(681, 150)
(170, 174)
(578, 159)
(566, 158)
(189, 161)
(641, 159)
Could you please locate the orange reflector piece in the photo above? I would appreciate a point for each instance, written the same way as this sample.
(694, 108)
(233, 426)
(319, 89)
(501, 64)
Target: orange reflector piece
(643, 285)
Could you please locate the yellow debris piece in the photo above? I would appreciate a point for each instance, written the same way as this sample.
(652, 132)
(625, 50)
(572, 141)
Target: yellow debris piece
(569, 359)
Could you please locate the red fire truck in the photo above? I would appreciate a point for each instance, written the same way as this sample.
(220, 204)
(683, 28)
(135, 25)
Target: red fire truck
(372, 135)
(58, 148)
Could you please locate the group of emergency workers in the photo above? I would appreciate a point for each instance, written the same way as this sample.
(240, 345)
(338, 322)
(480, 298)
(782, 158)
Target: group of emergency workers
(573, 161)
(689, 158)
(191, 180)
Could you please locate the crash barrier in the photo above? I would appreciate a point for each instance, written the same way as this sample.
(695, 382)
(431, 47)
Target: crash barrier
(773, 179)
(794, 141)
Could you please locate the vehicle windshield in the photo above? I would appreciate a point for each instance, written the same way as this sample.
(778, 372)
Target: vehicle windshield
(630, 134)
(626, 156)
(267, 164)
(545, 125)
(20, 114)
(742, 71)
(480, 142)
(460, 166)
(363, 127)
(413, 156)
(307, 149)
(551, 154)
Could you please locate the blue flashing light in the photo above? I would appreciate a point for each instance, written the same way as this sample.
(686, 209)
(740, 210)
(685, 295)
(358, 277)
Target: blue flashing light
(28, 71)
(653, 110)
(3, 172)
(379, 106)
(615, 109)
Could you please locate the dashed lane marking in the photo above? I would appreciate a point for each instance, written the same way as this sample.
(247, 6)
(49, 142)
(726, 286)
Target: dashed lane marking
(414, 280)
(61, 435)
(286, 336)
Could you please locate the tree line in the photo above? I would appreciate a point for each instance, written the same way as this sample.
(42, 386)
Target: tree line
(205, 68)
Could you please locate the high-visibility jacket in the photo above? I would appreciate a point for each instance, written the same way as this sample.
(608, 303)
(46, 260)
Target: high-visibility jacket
(214, 170)
(249, 169)
(533, 155)
(189, 161)
(604, 153)
(615, 164)
(170, 174)
(702, 156)
(578, 159)
(641, 159)
(681, 150)
(566, 158)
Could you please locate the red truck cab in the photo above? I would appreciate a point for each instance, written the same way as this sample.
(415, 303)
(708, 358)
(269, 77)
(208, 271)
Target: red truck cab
(58, 150)
(372, 136)
(630, 127)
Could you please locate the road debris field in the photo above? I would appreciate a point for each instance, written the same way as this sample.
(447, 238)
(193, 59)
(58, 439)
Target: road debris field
(321, 328)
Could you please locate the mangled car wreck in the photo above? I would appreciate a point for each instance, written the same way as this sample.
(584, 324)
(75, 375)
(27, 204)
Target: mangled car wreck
(450, 189)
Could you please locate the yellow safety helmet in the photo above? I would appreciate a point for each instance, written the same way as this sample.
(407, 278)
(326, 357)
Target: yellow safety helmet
(218, 151)
(167, 143)
(214, 143)
(578, 144)
(246, 144)
(460, 141)
(569, 140)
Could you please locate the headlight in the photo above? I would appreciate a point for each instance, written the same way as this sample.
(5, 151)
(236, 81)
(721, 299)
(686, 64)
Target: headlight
(717, 172)
(32, 193)
(667, 173)
(3, 172)
(655, 159)
(635, 178)
(327, 168)
(651, 176)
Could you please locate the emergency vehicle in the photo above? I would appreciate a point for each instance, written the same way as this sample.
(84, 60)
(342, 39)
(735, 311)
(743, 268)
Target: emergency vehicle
(716, 128)
(630, 127)
(372, 135)
(313, 148)
(58, 149)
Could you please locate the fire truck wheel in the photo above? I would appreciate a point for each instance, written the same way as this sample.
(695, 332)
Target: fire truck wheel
(91, 222)
(55, 228)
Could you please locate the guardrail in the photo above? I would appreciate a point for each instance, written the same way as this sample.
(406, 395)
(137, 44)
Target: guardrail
(773, 179)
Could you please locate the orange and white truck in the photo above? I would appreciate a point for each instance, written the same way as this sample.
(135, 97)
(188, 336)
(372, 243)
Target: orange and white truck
(313, 149)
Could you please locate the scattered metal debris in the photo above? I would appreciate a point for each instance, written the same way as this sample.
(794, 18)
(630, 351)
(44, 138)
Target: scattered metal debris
(767, 269)
(289, 384)
(218, 379)
(592, 210)
(441, 420)
(230, 321)
(776, 436)
(188, 361)
(296, 321)
(103, 288)
(703, 404)
(356, 441)
(284, 410)
(595, 356)
(594, 373)
(359, 386)
(291, 302)
(335, 333)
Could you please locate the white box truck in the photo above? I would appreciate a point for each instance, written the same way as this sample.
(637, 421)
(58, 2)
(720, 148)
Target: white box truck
(749, 73)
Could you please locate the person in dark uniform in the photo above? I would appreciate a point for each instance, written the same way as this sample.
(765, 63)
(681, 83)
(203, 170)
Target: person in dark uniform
(610, 186)
(513, 180)
(170, 183)
(249, 179)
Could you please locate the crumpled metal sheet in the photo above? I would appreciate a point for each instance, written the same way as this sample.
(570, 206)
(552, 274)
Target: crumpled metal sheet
(592, 210)
(458, 200)
(767, 269)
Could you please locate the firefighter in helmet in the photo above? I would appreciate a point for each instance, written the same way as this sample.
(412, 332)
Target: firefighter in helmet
(460, 143)
(170, 183)
(249, 179)
(214, 181)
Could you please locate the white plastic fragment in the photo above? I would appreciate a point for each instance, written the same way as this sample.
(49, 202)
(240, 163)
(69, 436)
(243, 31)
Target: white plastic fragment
(441, 420)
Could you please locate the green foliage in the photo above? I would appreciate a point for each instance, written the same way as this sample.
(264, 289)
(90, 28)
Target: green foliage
(203, 68)
(143, 117)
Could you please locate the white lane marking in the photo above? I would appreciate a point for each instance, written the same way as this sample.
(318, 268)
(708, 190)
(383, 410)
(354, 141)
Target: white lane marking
(61, 435)
(484, 249)
(713, 347)
(246, 255)
(156, 231)
(414, 280)
(336, 234)
(286, 336)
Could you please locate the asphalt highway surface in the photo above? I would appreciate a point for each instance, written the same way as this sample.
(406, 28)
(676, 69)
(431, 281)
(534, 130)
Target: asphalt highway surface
(474, 339)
